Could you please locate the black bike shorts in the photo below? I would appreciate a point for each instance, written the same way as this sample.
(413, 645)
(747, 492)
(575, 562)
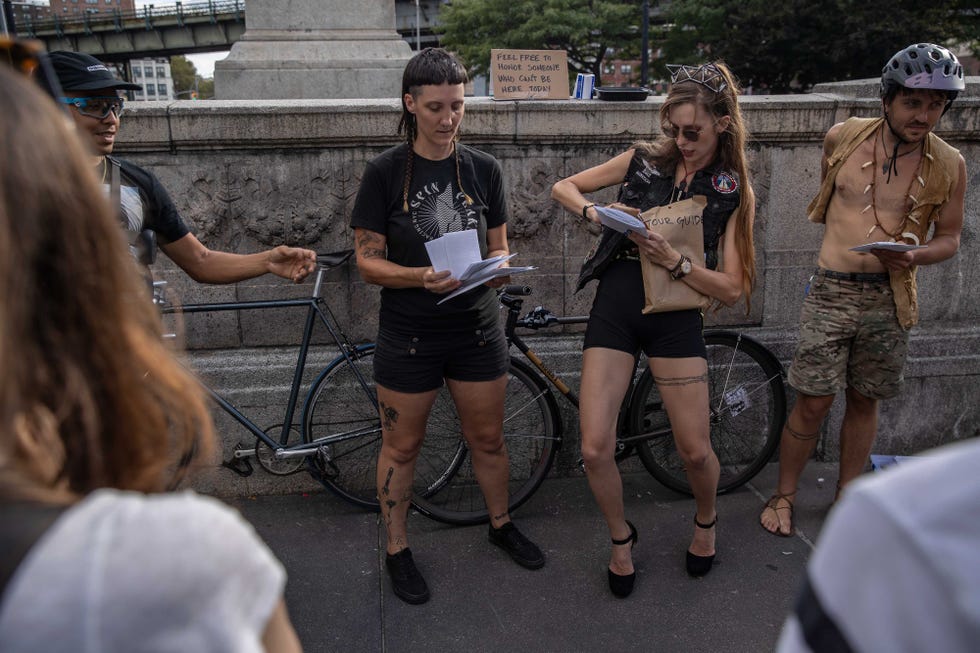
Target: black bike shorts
(418, 361)
(617, 320)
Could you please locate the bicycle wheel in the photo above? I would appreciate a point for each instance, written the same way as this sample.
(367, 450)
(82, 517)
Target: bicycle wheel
(341, 415)
(532, 432)
(748, 409)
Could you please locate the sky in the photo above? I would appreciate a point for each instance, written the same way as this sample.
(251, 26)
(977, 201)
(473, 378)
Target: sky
(203, 62)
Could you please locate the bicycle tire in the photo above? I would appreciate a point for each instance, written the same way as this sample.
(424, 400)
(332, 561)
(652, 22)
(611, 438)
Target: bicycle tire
(532, 432)
(748, 410)
(340, 411)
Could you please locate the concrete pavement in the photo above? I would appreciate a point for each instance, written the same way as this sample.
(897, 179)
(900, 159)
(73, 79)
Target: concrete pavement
(340, 599)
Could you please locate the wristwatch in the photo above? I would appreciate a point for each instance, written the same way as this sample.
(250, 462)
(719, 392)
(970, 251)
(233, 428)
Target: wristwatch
(682, 269)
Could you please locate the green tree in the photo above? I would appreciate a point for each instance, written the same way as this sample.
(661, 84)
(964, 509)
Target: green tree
(585, 29)
(788, 46)
(205, 89)
(184, 74)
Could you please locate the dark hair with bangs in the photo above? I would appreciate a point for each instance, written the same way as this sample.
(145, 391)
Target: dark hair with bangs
(431, 66)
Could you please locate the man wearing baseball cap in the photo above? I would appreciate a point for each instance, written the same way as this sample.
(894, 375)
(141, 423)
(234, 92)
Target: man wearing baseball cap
(91, 94)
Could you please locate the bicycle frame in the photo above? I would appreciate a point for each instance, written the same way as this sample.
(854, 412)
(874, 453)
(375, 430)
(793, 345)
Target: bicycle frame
(317, 309)
(541, 318)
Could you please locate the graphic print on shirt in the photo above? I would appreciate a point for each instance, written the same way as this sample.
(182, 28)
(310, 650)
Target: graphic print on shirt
(131, 206)
(436, 212)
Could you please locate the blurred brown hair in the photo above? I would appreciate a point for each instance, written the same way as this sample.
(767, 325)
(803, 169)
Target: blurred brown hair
(89, 395)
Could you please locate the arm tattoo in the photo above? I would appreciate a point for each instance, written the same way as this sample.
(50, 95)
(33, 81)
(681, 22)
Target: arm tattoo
(367, 245)
(681, 380)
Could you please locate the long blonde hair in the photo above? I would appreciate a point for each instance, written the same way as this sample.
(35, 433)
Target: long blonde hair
(89, 395)
(664, 154)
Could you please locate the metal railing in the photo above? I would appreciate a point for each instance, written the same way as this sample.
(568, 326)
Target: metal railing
(147, 15)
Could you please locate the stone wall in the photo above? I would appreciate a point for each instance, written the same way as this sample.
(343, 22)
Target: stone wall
(251, 174)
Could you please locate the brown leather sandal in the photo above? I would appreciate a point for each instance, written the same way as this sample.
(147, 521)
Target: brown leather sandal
(773, 504)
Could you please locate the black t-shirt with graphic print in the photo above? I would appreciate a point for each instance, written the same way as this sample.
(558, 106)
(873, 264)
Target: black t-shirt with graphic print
(436, 206)
(145, 203)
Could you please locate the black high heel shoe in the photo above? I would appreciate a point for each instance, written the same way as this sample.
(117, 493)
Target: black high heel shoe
(622, 586)
(698, 566)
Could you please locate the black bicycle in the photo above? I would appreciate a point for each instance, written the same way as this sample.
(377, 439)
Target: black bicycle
(748, 409)
(337, 435)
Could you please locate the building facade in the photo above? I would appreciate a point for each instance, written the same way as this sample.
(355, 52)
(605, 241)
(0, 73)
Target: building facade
(76, 8)
(155, 76)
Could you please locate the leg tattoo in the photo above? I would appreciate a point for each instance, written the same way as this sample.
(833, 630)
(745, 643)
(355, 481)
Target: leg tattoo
(680, 380)
(801, 436)
(389, 416)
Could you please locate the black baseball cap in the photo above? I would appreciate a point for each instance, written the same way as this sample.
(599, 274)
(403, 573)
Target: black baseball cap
(78, 71)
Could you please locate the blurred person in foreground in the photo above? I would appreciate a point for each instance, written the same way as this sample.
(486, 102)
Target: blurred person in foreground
(91, 95)
(897, 565)
(886, 182)
(95, 414)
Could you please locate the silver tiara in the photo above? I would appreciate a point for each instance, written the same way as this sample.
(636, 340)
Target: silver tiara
(706, 75)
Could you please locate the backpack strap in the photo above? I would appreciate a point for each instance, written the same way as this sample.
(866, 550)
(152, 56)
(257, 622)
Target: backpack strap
(22, 523)
(142, 244)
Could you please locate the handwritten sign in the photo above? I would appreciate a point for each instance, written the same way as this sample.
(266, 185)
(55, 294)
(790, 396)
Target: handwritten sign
(529, 74)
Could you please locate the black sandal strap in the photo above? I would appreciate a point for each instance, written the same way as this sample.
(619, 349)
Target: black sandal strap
(629, 539)
(705, 526)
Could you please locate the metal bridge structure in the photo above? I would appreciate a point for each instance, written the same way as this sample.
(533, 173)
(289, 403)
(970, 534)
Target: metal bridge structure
(186, 28)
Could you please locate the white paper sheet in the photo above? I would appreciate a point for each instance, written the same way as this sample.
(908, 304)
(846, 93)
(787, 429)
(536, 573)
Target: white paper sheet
(454, 251)
(621, 221)
(487, 275)
(884, 244)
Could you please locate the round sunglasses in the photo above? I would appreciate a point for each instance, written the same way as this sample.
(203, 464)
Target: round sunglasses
(96, 107)
(691, 134)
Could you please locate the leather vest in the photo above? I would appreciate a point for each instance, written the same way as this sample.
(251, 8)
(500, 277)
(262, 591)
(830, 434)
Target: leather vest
(645, 187)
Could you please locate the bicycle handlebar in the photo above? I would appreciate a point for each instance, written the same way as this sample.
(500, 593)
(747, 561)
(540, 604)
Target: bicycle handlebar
(519, 291)
(538, 318)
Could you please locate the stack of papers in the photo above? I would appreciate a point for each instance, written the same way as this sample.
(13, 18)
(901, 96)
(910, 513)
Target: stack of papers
(620, 220)
(459, 252)
(886, 244)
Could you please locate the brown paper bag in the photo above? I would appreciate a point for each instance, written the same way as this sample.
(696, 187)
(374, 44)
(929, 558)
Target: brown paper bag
(680, 224)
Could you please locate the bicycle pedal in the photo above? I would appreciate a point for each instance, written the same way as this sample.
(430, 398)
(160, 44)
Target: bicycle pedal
(241, 466)
(325, 465)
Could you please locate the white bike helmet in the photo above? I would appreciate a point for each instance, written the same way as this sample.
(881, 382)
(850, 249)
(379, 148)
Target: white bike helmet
(923, 65)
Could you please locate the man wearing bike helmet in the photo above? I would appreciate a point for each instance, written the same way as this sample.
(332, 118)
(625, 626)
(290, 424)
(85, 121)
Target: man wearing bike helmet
(885, 183)
(91, 95)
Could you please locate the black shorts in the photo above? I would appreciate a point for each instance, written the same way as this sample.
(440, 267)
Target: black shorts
(414, 362)
(617, 320)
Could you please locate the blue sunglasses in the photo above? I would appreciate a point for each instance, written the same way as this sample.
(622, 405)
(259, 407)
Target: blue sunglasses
(95, 107)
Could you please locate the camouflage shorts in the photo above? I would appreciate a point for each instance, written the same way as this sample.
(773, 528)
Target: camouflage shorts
(849, 337)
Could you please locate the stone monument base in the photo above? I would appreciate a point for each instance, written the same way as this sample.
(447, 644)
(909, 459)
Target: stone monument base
(314, 49)
(322, 65)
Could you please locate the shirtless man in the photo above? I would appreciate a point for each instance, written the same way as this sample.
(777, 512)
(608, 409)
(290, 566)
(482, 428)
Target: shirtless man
(883, 179)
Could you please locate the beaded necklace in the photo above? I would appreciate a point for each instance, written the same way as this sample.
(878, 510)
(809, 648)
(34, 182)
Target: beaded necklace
(873, 185)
